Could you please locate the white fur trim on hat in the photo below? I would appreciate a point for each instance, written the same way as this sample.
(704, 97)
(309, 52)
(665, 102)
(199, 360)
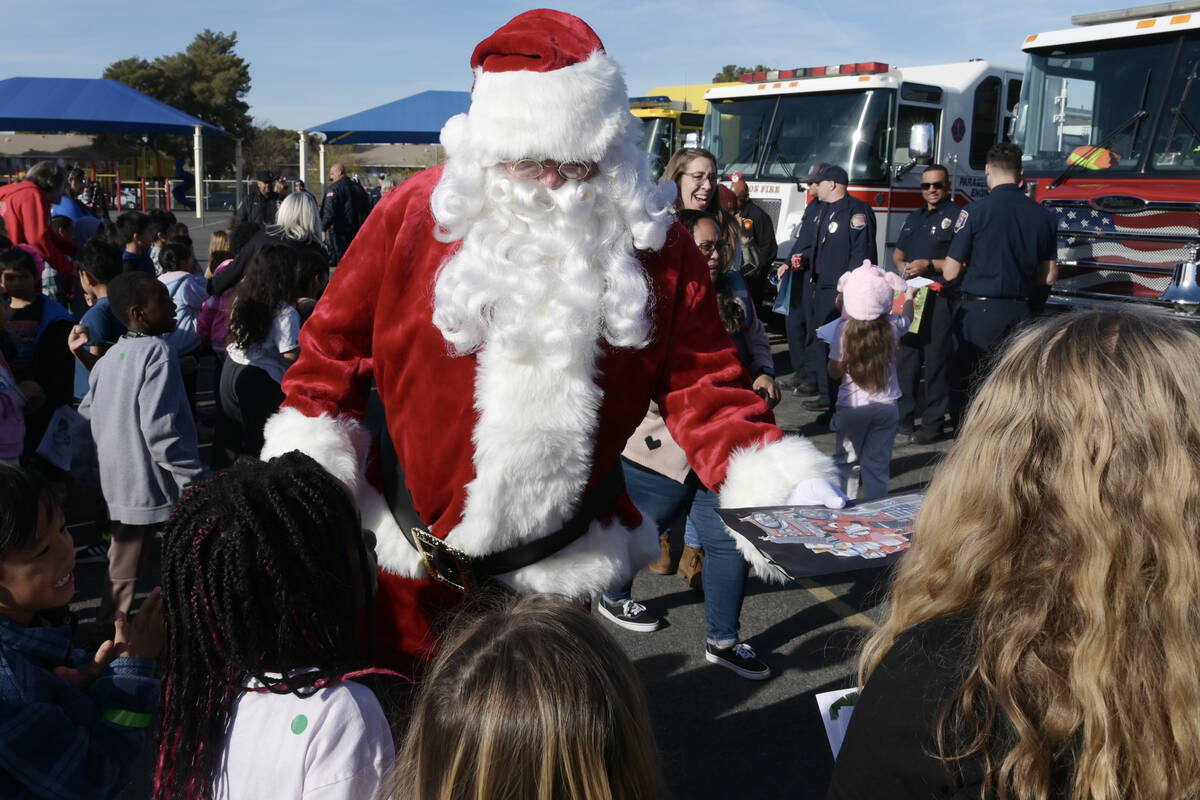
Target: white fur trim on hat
(574, 113)
(765, 475)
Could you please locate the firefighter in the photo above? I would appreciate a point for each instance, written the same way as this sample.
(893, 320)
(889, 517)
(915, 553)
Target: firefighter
(1004, 248)
(802, 381)
(920, 252)
(845, 238)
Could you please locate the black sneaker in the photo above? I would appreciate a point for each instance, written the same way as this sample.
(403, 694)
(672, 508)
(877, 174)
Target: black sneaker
(740, 658)
(816, 404)
(629, 615)
(926, 435)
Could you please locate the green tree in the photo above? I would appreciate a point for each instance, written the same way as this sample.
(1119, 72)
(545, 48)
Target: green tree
(207, 80)
(730, 72)
(270, 147)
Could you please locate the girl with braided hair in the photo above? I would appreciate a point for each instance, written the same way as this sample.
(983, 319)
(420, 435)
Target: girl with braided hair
(264, 569)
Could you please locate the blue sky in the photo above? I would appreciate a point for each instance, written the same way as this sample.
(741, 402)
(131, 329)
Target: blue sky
(312, 62)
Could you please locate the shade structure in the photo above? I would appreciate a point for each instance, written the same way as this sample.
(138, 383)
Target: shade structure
(417, 119)
(93, 105)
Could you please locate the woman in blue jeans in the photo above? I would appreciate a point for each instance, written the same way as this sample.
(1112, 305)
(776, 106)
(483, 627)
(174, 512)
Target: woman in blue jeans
(665, 488)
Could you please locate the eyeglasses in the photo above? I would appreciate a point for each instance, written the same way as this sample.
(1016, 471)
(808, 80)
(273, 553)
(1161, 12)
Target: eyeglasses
(702, 177)
(569, 170)
(925, 187)
(708, 247)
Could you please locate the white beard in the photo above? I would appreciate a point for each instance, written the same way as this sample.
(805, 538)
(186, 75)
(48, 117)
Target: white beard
(541, 272)
(541, 278)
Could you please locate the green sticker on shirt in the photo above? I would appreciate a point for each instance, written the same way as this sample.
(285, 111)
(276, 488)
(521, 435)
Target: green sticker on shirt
(299, 724)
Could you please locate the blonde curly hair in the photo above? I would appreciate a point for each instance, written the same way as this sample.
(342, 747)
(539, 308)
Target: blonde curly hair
(1066, 522)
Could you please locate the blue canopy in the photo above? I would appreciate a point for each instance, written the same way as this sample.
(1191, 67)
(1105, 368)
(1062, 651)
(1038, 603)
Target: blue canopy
(89, 105)
(410, 120)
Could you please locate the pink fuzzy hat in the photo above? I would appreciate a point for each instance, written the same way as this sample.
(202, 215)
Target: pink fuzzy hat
(868, 292)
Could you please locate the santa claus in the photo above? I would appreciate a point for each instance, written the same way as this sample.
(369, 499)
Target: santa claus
(518, 307)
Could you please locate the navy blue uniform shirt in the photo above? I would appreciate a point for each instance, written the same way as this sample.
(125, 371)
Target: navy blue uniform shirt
(806, 234)
(928, 233)
(845, 238)
(1001, 239)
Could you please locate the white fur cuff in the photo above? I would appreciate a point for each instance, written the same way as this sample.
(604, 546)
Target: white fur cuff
(765, 475)
(339, 444)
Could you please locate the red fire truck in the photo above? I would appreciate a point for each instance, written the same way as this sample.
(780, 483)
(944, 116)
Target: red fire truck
(1109, 121)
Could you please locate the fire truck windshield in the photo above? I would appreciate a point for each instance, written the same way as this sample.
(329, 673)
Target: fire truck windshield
(780, 137)
(1075, 98)
(658, 137)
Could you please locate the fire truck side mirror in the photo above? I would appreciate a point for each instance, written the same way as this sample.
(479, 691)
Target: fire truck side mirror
(920, 148)
(920, 142)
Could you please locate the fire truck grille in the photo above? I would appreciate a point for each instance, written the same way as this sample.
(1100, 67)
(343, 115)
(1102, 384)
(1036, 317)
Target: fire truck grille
(1094, 278)
(771, 206)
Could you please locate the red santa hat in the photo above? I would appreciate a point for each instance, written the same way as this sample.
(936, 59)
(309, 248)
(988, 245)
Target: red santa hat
(544, 88)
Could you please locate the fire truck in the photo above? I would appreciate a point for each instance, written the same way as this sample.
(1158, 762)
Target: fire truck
(876, 121)
(1108, 121)
(672, 117)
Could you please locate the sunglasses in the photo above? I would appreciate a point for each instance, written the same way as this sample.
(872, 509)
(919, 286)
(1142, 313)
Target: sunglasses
(927, 186)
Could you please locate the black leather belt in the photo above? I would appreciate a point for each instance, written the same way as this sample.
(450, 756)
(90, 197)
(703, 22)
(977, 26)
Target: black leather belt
(469, 573)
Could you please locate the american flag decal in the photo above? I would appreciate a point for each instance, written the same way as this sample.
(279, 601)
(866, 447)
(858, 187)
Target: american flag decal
(1123, 254)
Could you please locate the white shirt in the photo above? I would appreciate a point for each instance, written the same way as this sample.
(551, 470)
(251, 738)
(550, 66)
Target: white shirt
(335, 744)
(283, 337)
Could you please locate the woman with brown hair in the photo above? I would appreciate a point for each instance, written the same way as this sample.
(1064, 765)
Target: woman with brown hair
(694, 171)
(1044, 632)
(530, 702)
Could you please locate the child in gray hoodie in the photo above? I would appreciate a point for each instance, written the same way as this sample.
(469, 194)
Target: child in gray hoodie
(143, 428)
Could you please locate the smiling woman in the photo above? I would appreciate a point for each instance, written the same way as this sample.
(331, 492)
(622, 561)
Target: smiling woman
(694, 171)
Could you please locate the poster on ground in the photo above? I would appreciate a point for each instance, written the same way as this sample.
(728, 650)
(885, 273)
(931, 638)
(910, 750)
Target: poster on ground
(804, 541)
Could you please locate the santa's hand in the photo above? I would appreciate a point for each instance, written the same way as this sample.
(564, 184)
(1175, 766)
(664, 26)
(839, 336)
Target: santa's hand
(817, 492)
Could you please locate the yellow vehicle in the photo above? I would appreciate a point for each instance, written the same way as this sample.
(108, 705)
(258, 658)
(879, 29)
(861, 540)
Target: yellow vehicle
(672, 117)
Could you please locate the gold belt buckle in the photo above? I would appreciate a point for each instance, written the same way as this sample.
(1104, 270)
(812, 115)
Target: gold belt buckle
(443, 562)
